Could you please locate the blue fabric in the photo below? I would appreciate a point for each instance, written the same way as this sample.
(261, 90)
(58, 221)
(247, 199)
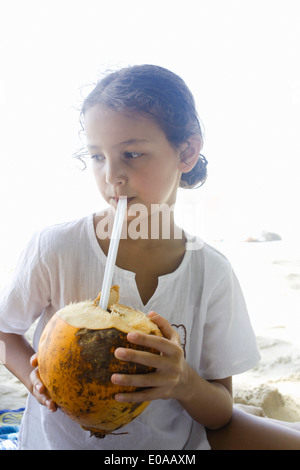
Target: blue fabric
(10, 421)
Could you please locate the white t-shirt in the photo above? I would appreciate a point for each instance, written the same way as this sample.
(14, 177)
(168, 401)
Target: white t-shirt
(202, 299)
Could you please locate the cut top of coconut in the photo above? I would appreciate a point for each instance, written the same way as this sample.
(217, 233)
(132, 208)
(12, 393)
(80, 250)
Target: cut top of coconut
(113, 297)
(89, 315)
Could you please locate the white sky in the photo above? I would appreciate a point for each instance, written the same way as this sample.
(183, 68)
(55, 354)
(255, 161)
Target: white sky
(239, 57)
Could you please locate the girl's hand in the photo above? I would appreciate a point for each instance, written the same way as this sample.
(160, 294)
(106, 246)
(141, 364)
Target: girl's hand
(38, 388)
(171, 376)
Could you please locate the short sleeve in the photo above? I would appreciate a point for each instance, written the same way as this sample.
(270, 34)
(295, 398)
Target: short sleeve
(28, 293)
(229, 342)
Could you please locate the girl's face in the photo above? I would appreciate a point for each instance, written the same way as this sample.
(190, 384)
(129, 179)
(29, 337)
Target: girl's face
(131, 157)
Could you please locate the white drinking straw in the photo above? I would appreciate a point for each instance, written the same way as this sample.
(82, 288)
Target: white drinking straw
(112, 252)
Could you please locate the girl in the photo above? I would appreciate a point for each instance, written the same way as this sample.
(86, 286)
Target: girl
(144, 139)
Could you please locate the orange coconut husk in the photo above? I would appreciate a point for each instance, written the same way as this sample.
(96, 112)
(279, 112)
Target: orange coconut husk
(76, 361)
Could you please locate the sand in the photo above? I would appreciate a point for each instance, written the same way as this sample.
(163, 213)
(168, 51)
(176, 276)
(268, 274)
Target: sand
(269, 273)
(270, 277)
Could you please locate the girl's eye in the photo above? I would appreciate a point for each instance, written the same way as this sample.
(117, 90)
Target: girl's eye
(132, 155)
(97, 158)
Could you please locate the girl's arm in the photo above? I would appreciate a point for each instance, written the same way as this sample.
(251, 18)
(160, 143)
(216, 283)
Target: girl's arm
(214, 408)
(17, 357)
(20, 359)
(209, 403)
(248, 432)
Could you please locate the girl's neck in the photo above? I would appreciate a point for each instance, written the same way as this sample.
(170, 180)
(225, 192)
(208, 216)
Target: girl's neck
(148, 258)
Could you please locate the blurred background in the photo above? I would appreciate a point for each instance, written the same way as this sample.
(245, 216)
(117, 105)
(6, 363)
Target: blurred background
(240, 58)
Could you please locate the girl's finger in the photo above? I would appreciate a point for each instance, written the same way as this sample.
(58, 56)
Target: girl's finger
(164, 326)
(145, 358)
(154, 379)
(41, 395)
(161, 344)
(37, 384)
(39, 390)
(147, 394)
(51, 405)
(33, 360)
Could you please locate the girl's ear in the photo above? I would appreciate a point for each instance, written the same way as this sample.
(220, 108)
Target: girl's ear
(189, 153)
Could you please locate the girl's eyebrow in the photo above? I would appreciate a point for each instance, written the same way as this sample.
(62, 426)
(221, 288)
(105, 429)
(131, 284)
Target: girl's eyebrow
(126, 142)
(132, 141)
(92, 147)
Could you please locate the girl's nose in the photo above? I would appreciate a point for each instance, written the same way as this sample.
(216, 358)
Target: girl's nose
(115, 174)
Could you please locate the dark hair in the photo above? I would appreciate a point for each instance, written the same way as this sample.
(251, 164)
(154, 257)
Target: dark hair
(161, 94)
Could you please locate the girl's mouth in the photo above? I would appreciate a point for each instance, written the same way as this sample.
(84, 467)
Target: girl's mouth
(116, 199)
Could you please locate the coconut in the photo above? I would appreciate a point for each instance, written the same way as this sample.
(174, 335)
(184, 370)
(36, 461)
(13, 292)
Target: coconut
(76, 361)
